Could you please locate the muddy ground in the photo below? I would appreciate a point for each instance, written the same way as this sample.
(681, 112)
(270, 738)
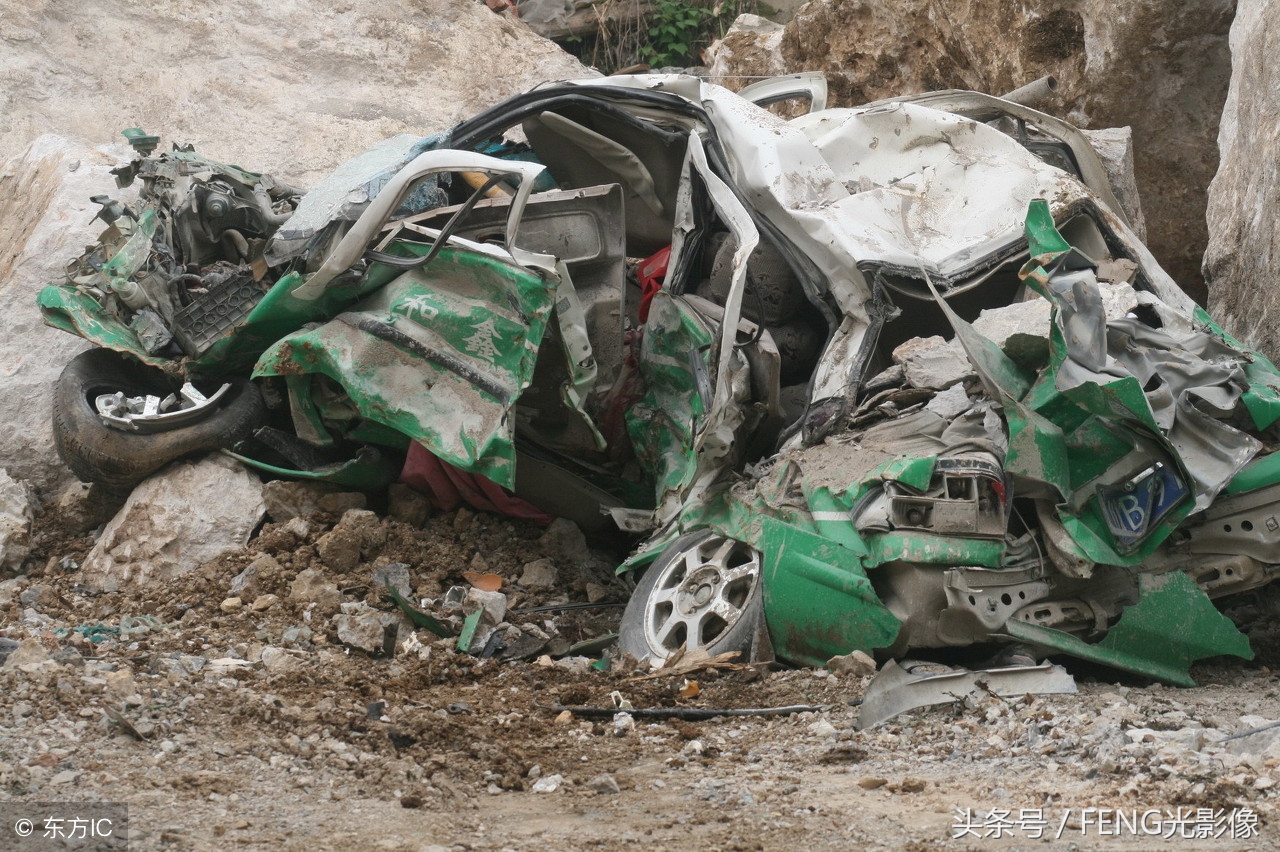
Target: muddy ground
(252, 726)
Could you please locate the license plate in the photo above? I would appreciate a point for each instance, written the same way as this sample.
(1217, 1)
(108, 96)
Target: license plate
(1134, 507)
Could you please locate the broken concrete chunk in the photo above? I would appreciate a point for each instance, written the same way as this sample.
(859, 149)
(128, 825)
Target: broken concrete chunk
(950, 403)
(177, 520)
(538, 574)
(493, 603)
(313, 586)
(362, 627)
(396, 576)
(856, 664)
(15, 522)
(931, 362)
(287, 499)
(565, 543)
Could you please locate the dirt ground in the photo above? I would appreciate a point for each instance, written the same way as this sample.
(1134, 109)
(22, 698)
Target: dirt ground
(254, 727)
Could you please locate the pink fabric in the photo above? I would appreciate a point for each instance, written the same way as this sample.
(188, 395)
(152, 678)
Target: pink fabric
(448, 487)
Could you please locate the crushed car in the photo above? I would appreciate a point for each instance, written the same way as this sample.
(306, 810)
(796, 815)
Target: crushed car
(897, 378)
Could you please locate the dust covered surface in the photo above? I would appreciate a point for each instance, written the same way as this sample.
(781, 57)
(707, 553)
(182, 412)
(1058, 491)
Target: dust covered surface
(250, 725)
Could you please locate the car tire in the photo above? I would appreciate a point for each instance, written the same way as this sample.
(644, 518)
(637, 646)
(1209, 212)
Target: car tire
(704, 591)
(117, 460)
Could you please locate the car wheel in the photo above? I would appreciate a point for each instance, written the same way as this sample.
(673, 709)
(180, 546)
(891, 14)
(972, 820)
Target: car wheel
(117, 459)
(702, 592)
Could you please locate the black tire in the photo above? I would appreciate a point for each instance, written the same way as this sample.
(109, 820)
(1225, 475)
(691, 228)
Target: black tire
(118, 460)
(711, 555)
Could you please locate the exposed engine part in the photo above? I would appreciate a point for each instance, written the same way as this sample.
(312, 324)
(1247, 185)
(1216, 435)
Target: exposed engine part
(152, 413)
(967, 496)
(187, 265)
(224, 299)
(981, 600)
(1241, 523)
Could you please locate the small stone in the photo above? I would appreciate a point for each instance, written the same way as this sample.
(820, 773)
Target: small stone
(604, 783)
(312, 586)
(822, 729)
(538, 574)
(932, 362)
(278, 660)
(365, 628)
(872, 783)
(411, 801)
(565, 717)
(247, 583)
(66, 776)
(121, 683)
(395, 575)
(911, 785)
(294, 635)
(548, 784)
(596, 592)
(286, 499)
(493, 603)
(28, 652)
(264, 602)
(856, 664)
(231, 605)
(407, 506)
(39, 595)
(339, 549)
(300, 528)
(565, 543)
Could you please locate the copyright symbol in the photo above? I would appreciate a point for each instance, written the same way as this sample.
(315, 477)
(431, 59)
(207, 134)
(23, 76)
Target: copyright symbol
(23, 828)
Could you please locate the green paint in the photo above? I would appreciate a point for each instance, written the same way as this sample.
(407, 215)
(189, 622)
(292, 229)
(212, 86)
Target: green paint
(1173, 624)
(1261, 472)
(468, 633)
(465, 335)
(417, 617)
(368, 471)
(818, 601)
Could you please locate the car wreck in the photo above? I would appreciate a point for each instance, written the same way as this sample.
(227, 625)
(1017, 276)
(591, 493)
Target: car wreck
(898, 379)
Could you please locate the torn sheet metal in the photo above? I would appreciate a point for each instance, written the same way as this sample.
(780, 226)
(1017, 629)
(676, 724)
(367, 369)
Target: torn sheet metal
(897, 688)
(1173, 625)
(439, 354)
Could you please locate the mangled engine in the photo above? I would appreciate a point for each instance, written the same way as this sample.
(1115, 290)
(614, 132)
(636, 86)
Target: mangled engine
(185, 264)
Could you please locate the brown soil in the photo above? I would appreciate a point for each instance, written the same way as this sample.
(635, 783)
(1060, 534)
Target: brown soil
(434, 749)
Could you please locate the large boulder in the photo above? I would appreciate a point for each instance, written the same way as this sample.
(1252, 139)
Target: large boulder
(292, 88)
(1159, 66)
(1242, 263)
(175, 521)
(46, 219)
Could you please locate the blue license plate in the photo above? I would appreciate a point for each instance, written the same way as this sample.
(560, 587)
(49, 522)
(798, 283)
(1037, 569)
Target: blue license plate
(1133, 508)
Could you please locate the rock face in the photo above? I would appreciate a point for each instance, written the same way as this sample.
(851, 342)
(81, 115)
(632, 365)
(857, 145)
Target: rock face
(180, 518)
(1243, 259)
(1159, 66)
(46, 219)
(15, 523)
(292, 88)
